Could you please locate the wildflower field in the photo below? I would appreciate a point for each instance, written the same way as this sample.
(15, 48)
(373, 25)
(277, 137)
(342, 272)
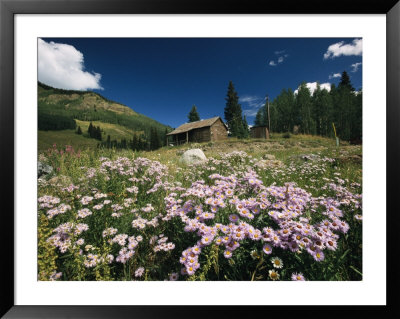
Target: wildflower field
(279, 209)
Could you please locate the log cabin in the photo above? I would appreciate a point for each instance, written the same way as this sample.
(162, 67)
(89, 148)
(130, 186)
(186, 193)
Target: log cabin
(209, 130)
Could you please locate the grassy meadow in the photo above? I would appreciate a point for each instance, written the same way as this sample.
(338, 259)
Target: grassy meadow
(287, 208)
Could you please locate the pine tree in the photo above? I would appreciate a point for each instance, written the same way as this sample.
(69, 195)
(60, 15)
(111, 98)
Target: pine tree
(123, 143)
(108, 143)
(233, 112)
(79, 131)
(165, 137)
(345, 82)
(134, 143)
(259, 118)
(97, 133)
(154, 139)
(245, 128)
(193, 115)
(346, 106)
(304, 104)
(90, 129)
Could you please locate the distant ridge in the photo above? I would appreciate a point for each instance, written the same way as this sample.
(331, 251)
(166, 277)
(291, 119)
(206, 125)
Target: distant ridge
(63, 91)
(64, 110)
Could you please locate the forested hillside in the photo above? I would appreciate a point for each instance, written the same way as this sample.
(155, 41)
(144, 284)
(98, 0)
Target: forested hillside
(66, 110)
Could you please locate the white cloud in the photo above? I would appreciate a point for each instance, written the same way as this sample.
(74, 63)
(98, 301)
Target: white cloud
(250, 113)
(312, 86)
(355, 66)
(335, 75)
(281, 58)
(251, 104)
(339, 48)
(62, 66)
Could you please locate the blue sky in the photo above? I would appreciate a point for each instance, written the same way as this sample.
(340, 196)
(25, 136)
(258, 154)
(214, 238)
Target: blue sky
(163, 77)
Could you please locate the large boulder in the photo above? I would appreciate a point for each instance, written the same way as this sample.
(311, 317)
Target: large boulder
(193, 156)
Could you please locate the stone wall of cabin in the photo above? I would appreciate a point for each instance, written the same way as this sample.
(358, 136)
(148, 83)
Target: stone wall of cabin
(218, 131)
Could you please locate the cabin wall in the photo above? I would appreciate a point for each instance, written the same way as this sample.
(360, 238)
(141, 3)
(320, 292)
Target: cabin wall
(200, 135)
(218, 131)
(259, 132)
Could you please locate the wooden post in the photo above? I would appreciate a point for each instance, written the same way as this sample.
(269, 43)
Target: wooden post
(187, 137)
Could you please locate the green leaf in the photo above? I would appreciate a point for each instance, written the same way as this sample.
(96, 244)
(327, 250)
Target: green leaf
(356, 270)
(344, 255)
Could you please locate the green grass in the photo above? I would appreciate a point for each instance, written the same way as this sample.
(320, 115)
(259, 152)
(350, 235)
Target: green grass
(114, 130)
(46, 139)
(69, 137)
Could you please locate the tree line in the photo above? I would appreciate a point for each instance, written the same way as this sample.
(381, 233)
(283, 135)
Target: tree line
(315, 112)
(148, 141)
(53, 122)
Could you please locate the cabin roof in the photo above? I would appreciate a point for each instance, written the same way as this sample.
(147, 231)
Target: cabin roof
(194, 125)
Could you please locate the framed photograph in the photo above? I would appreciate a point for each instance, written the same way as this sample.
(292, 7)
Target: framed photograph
(160, 155)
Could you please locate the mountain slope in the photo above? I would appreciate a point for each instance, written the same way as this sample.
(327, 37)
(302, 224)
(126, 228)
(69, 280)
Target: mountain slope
(64, 110)
(80, 100)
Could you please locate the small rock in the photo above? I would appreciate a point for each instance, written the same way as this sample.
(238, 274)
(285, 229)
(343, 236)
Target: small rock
(306, 157)
(193, 156)
(269, 157)
(61, 181)
(268, 164)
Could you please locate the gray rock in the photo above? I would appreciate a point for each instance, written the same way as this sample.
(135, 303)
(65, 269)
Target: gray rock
(310, 157)
(269, 157)
(193, 156)
(61, 181)
(44, 169)
(305, 157)
(264, 164)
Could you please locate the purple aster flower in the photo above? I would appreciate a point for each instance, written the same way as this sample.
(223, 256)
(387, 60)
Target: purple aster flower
(298, 277)
(331, 244)
(190, 270)
(174, 276)
(267, 249)
(318, 255)
(139, 272)
(227, 254)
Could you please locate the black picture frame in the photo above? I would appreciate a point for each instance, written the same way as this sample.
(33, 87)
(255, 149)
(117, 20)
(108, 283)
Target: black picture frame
(8, 10)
